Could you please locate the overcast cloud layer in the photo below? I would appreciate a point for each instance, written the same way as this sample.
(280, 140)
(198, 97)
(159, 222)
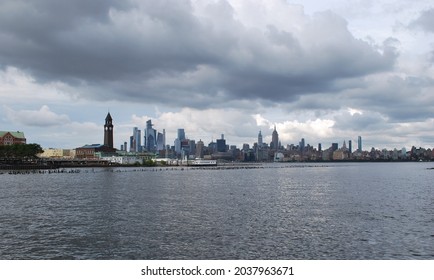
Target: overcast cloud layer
(325, 72)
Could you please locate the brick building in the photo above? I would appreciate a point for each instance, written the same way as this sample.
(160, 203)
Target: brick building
(12, 137)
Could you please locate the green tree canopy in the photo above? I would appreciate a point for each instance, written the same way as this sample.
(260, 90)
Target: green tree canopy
(20, 151)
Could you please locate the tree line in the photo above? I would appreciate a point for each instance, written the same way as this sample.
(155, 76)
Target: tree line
(20, 151)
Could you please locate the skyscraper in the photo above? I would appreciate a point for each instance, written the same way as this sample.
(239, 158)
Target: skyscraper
(108, 131)
(199, 149)
(150, 137)
(181, 134)
(275, 139)
(260, 139)
(335, 146)
(161, 140)
(221, 144)
(137, 141)
(302, 145)
(359, 144)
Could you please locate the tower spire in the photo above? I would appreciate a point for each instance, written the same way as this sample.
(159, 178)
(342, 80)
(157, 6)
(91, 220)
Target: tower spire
(108, 131)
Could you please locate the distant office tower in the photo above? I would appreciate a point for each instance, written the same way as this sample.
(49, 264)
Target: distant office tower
(199, 149)
(161, 140)
(350, 146)
(221, 144)
(319, 147)
(302, 145)
(136, 145)
(150, 137)
(177, 144)
(181, 134)
(359, 143)
(260, 139)
(335, 146)
(275, 139)
(192, 147)
(108, 131)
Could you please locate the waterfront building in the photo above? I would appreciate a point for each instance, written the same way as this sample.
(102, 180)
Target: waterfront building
(339, 155)
(92, 151)
(12, 137)
(57, 153)
(108, 131)
(127, 159)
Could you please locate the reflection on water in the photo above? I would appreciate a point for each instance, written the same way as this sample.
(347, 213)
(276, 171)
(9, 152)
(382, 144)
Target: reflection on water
(334, 211)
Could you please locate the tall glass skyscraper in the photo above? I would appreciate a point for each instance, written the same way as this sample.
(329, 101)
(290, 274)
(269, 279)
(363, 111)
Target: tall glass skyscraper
(137, 141)
(150, 137)
(181, 134)
(359, 143)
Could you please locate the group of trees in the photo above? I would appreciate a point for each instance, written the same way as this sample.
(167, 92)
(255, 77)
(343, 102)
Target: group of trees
(22, 152)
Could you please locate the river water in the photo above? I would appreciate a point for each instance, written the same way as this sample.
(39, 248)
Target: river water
(280, 211)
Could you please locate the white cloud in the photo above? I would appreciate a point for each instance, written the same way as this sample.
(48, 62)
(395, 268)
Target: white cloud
(41, 118)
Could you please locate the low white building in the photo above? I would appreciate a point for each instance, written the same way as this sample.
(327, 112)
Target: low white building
(124, 160)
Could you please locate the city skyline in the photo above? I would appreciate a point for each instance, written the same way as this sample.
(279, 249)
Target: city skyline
(324, 72)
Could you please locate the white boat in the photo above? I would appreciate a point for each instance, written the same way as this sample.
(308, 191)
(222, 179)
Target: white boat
(203, 162)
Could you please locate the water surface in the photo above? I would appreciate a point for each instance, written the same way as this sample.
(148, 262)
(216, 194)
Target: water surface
(286, 211)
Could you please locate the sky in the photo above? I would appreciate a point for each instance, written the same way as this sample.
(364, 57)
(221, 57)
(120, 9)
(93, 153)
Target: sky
(326, 71)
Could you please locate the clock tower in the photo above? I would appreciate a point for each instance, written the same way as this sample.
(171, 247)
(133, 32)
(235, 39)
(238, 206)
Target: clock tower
(108, 131)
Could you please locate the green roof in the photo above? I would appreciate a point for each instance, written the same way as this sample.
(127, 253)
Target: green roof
(16, 134)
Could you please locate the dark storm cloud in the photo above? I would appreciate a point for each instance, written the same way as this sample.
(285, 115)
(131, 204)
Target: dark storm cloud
(169, 52)
(400, 99)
